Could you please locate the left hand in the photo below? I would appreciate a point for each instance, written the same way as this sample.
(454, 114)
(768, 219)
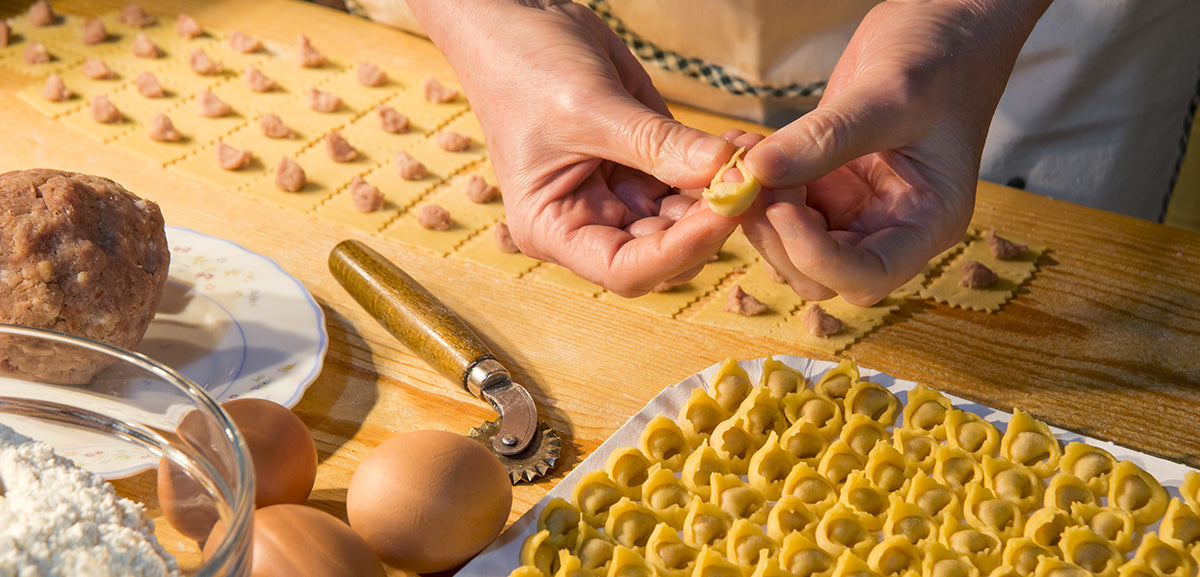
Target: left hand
(583, 146)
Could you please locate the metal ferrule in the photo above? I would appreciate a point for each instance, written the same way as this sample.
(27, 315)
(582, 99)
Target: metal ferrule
(484, 373)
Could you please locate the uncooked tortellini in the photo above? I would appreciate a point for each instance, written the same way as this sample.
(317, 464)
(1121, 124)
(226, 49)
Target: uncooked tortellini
(839, 478)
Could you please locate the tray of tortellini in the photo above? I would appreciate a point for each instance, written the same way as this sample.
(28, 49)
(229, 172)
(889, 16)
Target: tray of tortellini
(797, 467)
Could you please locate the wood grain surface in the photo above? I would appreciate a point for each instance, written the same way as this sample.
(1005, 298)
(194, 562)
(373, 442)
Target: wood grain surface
(1104, 340)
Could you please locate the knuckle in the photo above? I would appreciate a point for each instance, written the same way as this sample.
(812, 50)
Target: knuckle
(651, 134)
(625, 289)
(573, 103)
(828, 132)
(865, 298)
(522, 232)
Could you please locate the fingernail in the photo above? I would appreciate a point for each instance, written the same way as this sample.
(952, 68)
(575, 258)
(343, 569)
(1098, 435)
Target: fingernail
(704, 151)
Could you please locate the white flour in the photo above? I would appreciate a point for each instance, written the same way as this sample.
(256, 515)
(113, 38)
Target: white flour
(57, 519)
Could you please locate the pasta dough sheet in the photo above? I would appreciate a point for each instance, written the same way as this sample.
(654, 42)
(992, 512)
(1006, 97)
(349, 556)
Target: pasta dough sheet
(1013, 274)
(559, 276)
(467, 219)
(912, 288)
(482, 249)
(61, 41)
(82, 90)
(502, 556)
(783, 321)
(736, 254)
(774, 323)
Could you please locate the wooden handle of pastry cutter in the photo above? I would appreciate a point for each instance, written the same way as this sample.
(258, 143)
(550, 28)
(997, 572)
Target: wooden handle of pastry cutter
(408, 310)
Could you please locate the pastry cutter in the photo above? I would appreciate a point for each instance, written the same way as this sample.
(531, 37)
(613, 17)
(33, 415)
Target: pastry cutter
(527, 447)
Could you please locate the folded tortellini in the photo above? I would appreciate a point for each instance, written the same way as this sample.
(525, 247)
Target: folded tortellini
(780, 380)
(700, 416)
(1021, 554)
(746, 544)
(630, 523)
(1085, 548)
(1113, 523)
(842, 528)
(664, 442)
(666, 550)
(666, 495)
(1013, 482)
(594, 494)
(1030, 442)
(560, 519)
(1089, 463)
(837, 382)
(628, 468)
(769, 468)
(791, 515)
(1164, 557)
(1181, 525)
(873, 401)
(730, 385)
(1190, 489)
(800, 555)
(970, 433)
(822, 412)
(926, 411)
(1136, 491)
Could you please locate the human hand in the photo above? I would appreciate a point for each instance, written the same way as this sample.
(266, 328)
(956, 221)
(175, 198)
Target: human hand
(582, 144)
(881, 176)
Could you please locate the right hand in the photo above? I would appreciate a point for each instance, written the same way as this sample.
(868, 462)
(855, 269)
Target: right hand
(583, 146)
(881, 176)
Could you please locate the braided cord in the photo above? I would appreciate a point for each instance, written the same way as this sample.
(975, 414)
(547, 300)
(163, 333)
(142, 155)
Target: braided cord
(713, 74)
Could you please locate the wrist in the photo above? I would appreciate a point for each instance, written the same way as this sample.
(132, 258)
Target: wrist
(447, 20)
(1007, 23)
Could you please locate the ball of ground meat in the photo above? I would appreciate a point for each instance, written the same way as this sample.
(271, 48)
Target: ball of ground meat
(82, 255)
(434, 217)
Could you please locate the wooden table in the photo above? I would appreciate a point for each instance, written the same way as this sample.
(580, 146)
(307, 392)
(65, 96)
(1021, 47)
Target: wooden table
(1105, 339)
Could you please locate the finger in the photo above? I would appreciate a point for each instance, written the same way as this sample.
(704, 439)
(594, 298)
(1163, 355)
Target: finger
(675, 206)
(632, 266)
(627, 132)
(635, 189)
(859, 121)
(678, 279)
(743, 139)
(863, 271)
(766, 240)
(649, 225)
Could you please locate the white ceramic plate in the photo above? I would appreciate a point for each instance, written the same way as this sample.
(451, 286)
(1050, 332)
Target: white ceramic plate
(233, 322)
(236, 323)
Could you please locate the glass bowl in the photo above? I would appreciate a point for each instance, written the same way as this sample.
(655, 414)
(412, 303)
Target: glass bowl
(158, 439)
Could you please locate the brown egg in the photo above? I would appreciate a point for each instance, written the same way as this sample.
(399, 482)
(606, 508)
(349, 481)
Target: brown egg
(427, 501)
(283, 452)
(186, 504)
(282, 448)
(300, 541)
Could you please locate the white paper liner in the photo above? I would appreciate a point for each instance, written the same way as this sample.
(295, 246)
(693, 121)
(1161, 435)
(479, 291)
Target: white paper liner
(502, 556)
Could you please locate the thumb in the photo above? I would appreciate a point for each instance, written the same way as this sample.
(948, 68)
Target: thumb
(855, 123)
(638, 137)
